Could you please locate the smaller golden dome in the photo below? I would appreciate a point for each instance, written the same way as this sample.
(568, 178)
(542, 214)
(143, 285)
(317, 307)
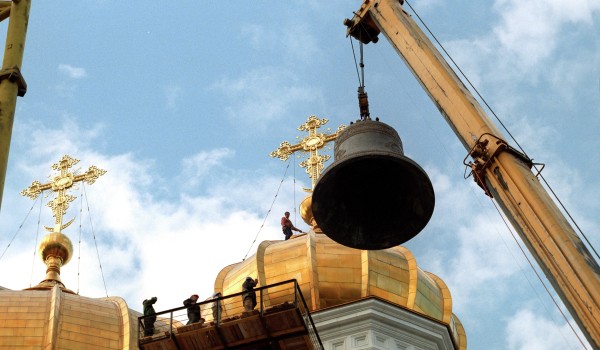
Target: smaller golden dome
(54, 318)
(306, 211)
(56, 244)
(55, 250)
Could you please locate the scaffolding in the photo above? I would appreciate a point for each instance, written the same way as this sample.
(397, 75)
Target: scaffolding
(281, 320)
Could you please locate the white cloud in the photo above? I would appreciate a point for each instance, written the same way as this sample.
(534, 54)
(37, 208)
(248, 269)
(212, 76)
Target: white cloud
(527, 330)
(294, 41)
(527, 33)
(300, 45)
(197, 166)
(263, 96)
(424, 5)
(529, 30)
(148, 246)
(73, 138)
(482, 238)
(72, 71)
(173, 95)
(256, 35)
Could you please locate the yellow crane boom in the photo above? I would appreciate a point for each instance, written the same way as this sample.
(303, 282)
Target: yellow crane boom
(504, 173)
(12, 83)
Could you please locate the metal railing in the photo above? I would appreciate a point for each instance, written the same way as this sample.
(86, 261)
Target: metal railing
(216, 311)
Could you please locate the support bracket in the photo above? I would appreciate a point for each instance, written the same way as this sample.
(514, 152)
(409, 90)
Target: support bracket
(14, 76)
(484, 154)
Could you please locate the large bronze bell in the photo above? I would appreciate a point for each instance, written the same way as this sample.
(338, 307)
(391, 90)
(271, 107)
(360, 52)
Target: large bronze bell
(372, 196)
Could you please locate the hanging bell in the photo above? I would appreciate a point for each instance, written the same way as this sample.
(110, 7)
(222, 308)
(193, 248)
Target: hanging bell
(372, 196)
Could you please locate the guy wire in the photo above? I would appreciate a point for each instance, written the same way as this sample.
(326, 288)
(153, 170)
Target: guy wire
(18, 229)
(37, 233)
(268, 211)
(94, 237)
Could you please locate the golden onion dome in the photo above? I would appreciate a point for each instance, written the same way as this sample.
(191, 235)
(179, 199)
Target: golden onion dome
(331, 274)
(54, 318)
(306, 211)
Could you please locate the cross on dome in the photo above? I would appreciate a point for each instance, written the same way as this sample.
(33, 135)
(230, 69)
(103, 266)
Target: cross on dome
(60, 184)
(310, 144)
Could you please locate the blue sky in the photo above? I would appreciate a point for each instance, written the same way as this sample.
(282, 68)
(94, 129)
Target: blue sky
(182, 104)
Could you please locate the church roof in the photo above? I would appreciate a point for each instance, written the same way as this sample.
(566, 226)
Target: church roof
(57, 319)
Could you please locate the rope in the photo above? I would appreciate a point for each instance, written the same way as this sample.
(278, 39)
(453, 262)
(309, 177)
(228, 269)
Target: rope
(79, 243)
(94, 237)
(268, 211)
(294, 188)
(37, 233)
(18, 230)
(505, 129)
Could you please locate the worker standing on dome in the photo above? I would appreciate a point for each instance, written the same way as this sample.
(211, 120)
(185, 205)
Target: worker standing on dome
(286, 226)
(193, 309)
(249, 295)
(149, 311)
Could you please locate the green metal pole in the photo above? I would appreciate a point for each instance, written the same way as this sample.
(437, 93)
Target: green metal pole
(12, 83)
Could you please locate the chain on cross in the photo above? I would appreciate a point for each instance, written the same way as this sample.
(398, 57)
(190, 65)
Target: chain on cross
(60, 184)
(310, 144)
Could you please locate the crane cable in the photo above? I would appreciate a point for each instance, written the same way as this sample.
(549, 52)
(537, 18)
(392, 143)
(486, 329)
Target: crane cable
(506, 129)
(564, 316)
(355, 62)
(268, 211)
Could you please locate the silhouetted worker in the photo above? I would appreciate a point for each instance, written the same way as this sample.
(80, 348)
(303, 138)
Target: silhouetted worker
(249, 295)
(216, 307)
(287, 227)
(193, 309)
(149, 311)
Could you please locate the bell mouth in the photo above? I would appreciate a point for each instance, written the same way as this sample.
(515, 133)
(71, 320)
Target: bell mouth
(373, 201)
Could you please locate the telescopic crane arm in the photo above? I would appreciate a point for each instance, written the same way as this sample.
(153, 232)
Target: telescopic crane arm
(12, 83)
(504, 173)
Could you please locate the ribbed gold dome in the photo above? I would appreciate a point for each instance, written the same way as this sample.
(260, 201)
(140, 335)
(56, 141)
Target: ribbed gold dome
(53, 318)
(330, 274)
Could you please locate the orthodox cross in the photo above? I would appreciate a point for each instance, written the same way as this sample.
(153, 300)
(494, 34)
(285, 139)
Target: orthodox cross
(310, 144)
(60, 184)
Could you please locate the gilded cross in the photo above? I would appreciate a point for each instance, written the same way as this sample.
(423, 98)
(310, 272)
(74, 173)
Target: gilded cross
(60, 184)
(310, 144)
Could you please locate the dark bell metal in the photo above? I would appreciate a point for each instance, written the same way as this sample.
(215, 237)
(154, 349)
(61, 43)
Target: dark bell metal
(372, 196)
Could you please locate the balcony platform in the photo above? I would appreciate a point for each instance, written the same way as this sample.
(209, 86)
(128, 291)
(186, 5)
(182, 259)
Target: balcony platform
(281, 326)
